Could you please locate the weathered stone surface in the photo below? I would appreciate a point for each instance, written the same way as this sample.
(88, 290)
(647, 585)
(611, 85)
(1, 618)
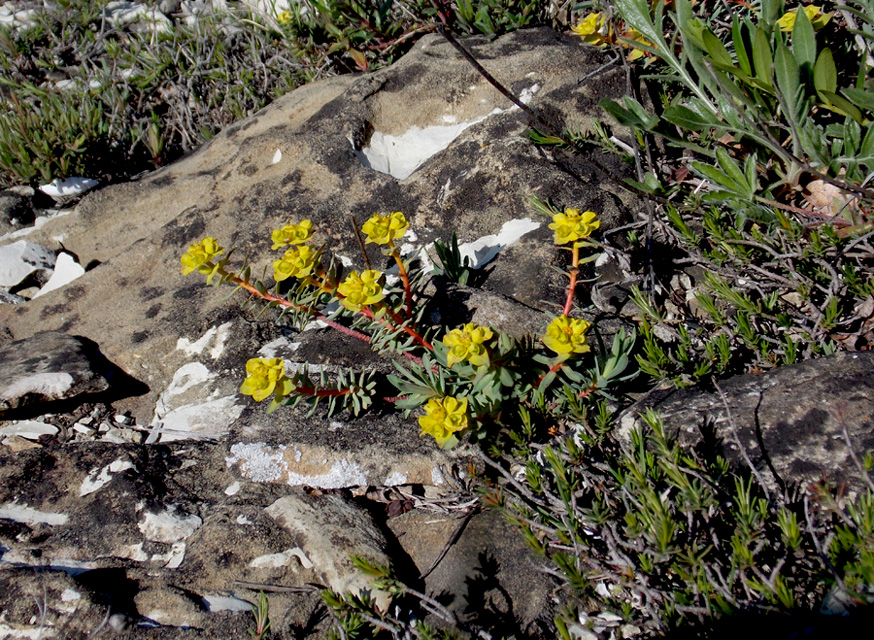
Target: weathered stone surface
(793, 423)
(330, 532)
(15, 211)
(51, 366)
(21, 259)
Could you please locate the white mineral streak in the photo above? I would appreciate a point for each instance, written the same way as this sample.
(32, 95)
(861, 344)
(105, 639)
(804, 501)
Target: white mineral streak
(276, 560)
(30, 429)
(399, 156)
(278, 348)
(277, 156)
(66, 270)
(26, 515)
(51, 385)
(483, 250)
(258, 462)
(214, 602)
(233, 489)
(99, 477)
(218, 335)
(437, 477)
(178, 417)
(168, 525)
(65, 187)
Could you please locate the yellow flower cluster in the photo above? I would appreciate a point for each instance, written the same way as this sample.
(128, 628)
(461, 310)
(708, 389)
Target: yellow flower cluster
(443, 418)
(468, 344)
(817, 18)
(382, 229)
(266, 376)
(567, 335)
(359, 291)
(292, 234)
(297, 262)
(283, 17)
(572, 225)
(200, 255)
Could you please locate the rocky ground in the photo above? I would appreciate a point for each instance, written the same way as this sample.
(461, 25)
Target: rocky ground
(143, 497)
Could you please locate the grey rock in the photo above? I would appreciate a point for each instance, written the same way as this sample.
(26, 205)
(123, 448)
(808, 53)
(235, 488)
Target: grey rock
(16, 211)
(330, 532)
(21, 259)
(795, 424)
(50, 366)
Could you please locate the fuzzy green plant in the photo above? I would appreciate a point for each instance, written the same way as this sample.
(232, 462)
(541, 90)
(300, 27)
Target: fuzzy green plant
(669, 537)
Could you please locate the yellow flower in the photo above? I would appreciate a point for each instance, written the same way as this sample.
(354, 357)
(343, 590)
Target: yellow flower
(292, 234)
(567, 335)
(283, 17)
(443, 418)
(298, 262)
(381, 229)
(359, 291)
(467, 343)
(266, 376)
(589, 25)
(814, 13)
(634, 34)
(571, 225)
(199, 257)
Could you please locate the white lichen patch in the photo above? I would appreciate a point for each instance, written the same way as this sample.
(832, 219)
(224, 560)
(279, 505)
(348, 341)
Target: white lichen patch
(26, 515)
(396, 478)
(168, 526)
(233, 489)
(216, 336)
(50, 385)
(258, 462)
(212, 418)
(341, 473)
(100, 477)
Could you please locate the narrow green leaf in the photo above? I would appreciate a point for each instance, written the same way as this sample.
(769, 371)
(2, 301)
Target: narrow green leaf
(686, 118)
(715, 49)
(786, 70)
(763, 60)
(862, 98)
(740, 46)
(729, 167)
(840, 105)
(825, 75)
(803, 41)
(636, 14)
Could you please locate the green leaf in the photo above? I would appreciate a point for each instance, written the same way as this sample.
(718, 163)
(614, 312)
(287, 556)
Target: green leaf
(636, 14)
(687, 119)
(840, 105)
(825, 75)
(786, 70)
(728, 165)
(860, 97)
(740, 48)
(716, 50)
(763, 60)
(803, 40)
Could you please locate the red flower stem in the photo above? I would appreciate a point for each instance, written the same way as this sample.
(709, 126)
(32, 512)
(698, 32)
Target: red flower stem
(396, 322)
(572, 285)
(402, 271)
(552, 369)
(321, 393)
(269, 297)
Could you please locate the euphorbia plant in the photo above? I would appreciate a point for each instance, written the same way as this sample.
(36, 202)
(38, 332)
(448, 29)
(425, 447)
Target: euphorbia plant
(464, 381)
